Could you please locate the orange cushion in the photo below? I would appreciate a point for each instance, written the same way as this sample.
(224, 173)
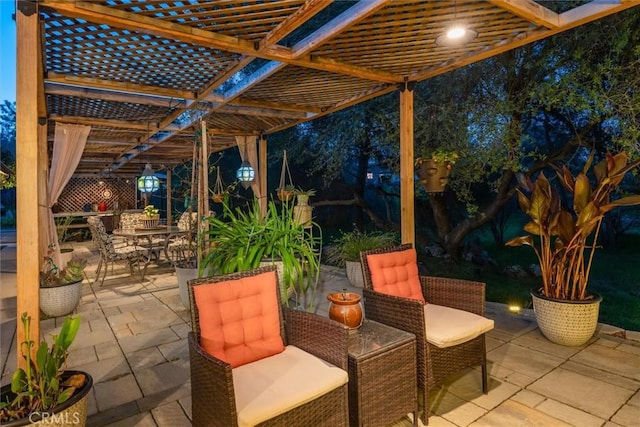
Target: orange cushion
(239, 319)
(396, 273)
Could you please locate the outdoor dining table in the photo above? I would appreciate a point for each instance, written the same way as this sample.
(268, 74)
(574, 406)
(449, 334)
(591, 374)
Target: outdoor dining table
(137, 234)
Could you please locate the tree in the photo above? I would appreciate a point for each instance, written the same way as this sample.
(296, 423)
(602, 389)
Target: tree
(7, 144)
(529, 108)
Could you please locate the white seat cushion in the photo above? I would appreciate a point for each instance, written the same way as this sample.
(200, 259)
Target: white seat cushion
(276, 384)
(446, 326)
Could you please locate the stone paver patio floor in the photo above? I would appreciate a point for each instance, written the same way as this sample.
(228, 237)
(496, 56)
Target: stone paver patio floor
(133, 342)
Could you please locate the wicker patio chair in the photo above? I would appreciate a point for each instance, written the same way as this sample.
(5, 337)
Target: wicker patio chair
(449, 337)
(132, 255)
(303, 385)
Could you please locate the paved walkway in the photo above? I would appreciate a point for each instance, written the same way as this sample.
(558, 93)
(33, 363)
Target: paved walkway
(133, 342)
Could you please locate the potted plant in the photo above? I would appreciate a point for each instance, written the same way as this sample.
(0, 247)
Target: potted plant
(61, 288)
(434, 169)
(150, 216)
(566, 242)
(62, 228)
(246, 240)
(44, 390)
(346, 250)
(286, 193)
(302, 211)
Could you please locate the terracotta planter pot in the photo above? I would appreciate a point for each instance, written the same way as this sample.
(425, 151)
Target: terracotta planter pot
(73, 412)
(345, 308)
(285, 195)
(570, 323)
(434, 177)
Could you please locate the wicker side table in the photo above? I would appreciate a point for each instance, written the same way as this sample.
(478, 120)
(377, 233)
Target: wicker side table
(382, 375)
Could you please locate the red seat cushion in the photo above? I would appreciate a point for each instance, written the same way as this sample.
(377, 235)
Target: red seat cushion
(396, 273)
(239, 319)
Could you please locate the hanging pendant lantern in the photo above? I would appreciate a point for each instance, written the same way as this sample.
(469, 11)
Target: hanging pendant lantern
(148, 181)
(245, 173)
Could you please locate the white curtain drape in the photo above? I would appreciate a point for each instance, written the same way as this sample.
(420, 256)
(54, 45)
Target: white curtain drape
(252, 153)
(68, 145)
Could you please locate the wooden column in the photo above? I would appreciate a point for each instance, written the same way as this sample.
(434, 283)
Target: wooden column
(262, 162)
(27, 134)
(169, 215)
(407, 216)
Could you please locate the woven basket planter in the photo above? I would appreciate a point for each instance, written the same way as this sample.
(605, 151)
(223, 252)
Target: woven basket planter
(569, 323)
(72, 412)
(150, 222)
(60, 300)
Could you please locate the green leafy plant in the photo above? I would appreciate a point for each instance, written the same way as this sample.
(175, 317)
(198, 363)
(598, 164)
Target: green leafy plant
(564, 246)
(52, 275)
(40, 386)
(244, 239)
(301, 192)
(347, 246)
(440, 156)
(150, 211)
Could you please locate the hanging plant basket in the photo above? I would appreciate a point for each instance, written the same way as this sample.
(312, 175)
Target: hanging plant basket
(434, 177)
(218, 189)
(285, 190)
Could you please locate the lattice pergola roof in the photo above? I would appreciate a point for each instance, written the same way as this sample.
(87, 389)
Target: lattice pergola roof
(143, 73)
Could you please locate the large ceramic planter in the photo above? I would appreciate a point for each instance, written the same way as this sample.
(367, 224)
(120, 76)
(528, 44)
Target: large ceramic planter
(184, 275)
(60, 300)
(302, 211)
(73, 412)
(434, 177)
(285, 291)
(66, 254)
(354, 273)
(570, 323)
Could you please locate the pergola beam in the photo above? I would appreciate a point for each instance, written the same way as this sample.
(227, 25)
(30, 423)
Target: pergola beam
(595, 10)
(346, 19)
(531, 11)
(143, 24)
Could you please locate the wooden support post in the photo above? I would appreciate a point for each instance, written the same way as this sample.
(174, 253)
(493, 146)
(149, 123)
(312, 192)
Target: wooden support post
(27, 134)
(407, 216)
(169, 198)
(262, 162)
(203, 197)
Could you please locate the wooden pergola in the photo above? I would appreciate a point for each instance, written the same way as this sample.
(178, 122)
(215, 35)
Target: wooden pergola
(144, 74)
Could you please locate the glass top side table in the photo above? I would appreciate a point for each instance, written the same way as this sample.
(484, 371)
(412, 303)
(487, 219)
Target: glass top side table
(382, 375)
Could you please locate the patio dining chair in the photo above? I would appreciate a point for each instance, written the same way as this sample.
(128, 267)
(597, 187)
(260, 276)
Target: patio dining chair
(446, 315)
(254, 362)
(132, 255)
(180, 248)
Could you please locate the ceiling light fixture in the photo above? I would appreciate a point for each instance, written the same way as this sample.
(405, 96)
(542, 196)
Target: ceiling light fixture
(457, 34)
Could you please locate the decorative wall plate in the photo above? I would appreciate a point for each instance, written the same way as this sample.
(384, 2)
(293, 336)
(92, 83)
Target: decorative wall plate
(106, 194)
